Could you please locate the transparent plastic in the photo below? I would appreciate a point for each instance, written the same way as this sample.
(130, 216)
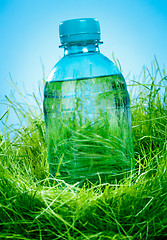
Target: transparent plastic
(87, 117)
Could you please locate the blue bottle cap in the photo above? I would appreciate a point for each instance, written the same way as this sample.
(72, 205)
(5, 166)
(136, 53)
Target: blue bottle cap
(81, 29)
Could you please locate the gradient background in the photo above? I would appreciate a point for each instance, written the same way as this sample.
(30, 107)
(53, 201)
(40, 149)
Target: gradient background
(134, 30)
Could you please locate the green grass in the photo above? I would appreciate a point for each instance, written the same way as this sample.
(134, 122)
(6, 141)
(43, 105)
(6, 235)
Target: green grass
(133, 208)
(88, 144)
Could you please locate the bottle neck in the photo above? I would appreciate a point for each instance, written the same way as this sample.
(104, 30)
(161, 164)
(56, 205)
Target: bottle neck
(81, 48)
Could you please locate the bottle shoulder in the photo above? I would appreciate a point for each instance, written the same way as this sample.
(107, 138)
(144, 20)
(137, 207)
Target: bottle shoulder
(79, 66)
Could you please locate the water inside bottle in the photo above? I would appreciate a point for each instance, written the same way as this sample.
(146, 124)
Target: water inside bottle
(88, 128)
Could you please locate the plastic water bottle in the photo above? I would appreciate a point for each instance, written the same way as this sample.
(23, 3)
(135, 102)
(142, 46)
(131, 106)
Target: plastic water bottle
(86, 109)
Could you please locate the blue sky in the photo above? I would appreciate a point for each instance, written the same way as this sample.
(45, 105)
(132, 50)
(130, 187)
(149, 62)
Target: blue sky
(134, 30)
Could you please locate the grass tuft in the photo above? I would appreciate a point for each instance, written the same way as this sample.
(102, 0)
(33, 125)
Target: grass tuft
(133, 208)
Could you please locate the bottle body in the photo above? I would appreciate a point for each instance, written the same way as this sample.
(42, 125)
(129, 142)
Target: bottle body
(87, 117)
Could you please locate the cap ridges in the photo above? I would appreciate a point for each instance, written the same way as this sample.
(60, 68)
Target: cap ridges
(81, 29)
